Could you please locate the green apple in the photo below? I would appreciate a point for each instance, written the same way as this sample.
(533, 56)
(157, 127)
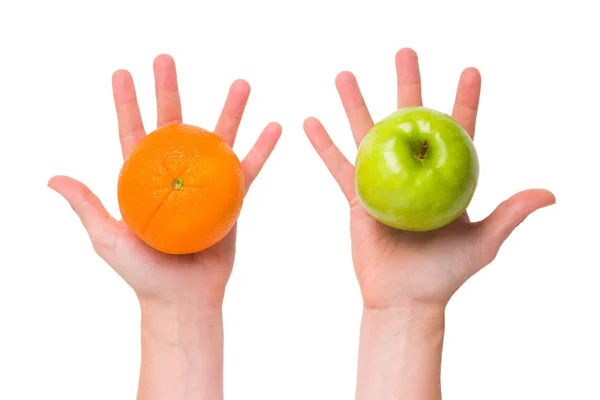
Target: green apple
(416, 170)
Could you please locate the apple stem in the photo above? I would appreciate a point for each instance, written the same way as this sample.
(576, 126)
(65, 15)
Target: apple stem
(423, 150)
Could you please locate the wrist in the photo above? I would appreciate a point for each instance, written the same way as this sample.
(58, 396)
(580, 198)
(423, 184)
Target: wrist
(394, 325)
(182, 352)
(179, 322)
(420, 314)
(184, 299)
(400, 353)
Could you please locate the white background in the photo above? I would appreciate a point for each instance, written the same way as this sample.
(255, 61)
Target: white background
(527, 327)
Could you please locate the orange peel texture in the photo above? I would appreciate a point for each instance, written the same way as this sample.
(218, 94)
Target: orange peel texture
(181, 189)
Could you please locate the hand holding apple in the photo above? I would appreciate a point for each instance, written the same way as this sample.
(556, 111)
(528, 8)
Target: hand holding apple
(399, 268)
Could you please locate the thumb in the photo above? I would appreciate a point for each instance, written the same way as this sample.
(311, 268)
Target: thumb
(498, 226)
(94, 217)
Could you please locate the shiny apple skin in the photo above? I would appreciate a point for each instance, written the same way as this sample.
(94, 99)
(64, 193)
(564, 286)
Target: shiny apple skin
(407, 188)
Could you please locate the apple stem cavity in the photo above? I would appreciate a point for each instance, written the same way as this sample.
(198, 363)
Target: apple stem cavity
(424, 147)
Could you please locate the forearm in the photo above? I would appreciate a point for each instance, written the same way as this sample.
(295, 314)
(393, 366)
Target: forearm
(400, 354)
(182, 354)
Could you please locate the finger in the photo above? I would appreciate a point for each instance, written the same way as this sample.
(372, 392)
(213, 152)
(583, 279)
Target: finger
(131, 128)
(354, 105)
(409, 79)
(88, 207)
(511, 213)
(467, 100)
(168, 104)
(233, 110)
(337, 164)
(260, 152)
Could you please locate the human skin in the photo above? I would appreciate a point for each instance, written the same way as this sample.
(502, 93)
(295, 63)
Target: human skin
(180, 296)
(407, 278)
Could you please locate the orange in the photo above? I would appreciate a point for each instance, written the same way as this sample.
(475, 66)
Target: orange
(181, 189)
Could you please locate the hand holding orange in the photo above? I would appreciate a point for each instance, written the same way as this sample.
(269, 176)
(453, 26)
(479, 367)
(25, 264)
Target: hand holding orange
(180, 191)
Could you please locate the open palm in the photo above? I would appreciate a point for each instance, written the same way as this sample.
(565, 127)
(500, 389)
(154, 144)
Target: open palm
(202, 276)
(399, 268)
